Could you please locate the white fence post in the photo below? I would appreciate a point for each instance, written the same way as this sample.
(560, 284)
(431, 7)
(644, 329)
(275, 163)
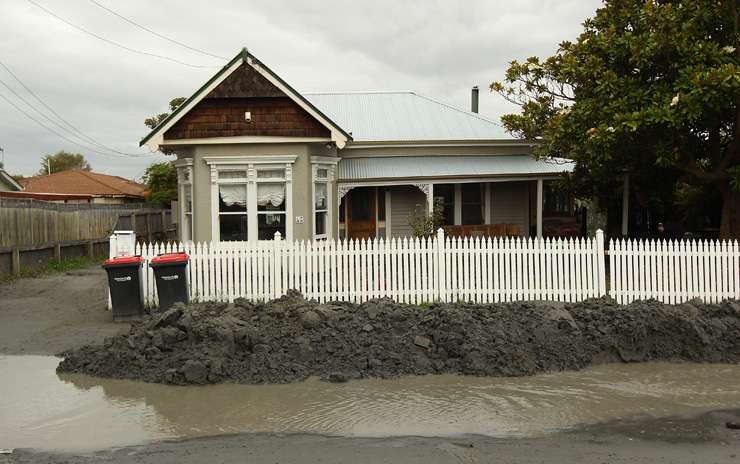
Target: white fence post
(601, 273)
(439, 267)
(274, 275)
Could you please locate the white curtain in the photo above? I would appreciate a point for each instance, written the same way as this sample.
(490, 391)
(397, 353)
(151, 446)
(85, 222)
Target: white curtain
(320, 195)
(270, 193)
(233, 194)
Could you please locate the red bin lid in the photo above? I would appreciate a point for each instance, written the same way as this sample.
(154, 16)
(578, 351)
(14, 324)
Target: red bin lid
(167, 258)
(124, 260)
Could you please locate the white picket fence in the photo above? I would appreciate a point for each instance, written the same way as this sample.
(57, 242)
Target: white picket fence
(674, 271)
(481, 270)
(410, 270)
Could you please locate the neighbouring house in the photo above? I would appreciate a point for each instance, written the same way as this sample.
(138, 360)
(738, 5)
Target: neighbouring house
(77, 186)
(256, 157)
(7, 183)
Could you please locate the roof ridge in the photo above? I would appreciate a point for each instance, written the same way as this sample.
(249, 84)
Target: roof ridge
(452, 107)
(99, 181)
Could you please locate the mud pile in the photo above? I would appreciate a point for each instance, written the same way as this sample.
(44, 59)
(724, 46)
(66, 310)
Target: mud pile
(290, 339)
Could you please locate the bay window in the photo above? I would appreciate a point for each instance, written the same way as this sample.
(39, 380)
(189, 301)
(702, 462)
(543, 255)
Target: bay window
(251, 197)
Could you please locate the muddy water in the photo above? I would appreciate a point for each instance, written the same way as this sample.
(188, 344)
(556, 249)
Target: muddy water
(42, 410)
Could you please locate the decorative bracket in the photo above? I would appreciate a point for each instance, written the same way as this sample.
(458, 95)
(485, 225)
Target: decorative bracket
(342, 190)
(423, 187)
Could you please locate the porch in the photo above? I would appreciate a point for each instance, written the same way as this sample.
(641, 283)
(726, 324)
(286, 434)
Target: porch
(510, 195)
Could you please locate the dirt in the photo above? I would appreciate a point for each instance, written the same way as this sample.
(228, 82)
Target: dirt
(647, 441)
(291, 339)
(54, 313)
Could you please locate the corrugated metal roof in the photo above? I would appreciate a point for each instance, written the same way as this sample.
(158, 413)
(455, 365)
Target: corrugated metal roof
(403, 116)
(391, 167)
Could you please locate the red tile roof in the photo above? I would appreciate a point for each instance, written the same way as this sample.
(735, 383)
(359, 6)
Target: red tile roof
(84, 183)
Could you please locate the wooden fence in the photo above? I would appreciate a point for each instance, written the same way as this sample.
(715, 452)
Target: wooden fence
(674, 271)
(25, 222)
(408, 270)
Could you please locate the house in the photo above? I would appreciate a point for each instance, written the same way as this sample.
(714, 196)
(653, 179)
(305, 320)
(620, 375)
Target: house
(256, 157)
(77, 186)
(7, 183)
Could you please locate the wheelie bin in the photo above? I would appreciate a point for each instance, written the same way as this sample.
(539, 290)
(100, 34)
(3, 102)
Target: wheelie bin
(125, 284)
(170, 274)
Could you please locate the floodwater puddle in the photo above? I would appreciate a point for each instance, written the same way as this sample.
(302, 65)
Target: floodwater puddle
(40, 409)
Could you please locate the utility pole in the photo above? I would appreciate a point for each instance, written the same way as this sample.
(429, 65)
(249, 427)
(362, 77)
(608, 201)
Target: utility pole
(48, 167)
(2, 157)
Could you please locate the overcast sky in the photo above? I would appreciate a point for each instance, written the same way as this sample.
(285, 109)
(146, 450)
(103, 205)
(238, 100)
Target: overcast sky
(437, 48)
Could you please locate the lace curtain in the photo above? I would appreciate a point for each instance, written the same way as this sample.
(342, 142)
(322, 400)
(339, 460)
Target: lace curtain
(233, 194)
(273, 194)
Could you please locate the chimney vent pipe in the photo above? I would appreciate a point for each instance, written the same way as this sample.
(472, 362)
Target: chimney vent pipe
(474, 100)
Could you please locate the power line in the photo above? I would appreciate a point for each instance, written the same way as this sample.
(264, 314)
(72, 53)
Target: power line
(161, 36)
(81, 135)
(20, 97)
(10, 102)
(117, 44)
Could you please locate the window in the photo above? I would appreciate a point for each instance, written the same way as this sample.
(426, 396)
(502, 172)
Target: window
(320, 209)
(232, 211)
(186, 201)
(250, 196)
(321, 193)
(556, 202)
(472, 204)
(444, 195)
(271, 212)
(266, 205)
(187, 226)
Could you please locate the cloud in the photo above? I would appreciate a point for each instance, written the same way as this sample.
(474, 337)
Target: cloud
(438, 48)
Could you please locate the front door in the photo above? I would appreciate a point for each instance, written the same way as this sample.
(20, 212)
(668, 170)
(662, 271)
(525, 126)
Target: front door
(361, 213)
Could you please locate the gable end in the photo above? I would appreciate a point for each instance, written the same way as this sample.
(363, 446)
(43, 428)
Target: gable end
(222, 112)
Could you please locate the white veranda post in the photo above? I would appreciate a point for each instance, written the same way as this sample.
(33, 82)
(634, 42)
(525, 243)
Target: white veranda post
(540, 206)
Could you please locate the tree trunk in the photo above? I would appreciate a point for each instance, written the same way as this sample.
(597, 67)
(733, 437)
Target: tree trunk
(730, 224)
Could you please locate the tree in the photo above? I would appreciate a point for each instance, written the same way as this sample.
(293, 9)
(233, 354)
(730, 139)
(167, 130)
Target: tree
(161, 182)
(650, 87)
(154, 121)
(63, 161)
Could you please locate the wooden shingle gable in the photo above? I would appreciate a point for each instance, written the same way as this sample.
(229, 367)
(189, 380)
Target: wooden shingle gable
(222, 112)
(216, 112)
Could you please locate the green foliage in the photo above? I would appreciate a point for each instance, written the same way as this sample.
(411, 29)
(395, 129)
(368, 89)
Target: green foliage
(63, 161)
(154, 121)
(424, 224)
(55, 266)
(648, 86)
(161, 182)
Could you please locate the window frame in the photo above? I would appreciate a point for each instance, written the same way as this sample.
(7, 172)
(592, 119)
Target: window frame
(320, 180)
(232, 181)
(251, 165)
(326, 164)
(185, 182)
(270, 180)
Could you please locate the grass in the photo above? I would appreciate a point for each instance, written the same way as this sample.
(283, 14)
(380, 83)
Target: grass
(55, 266)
